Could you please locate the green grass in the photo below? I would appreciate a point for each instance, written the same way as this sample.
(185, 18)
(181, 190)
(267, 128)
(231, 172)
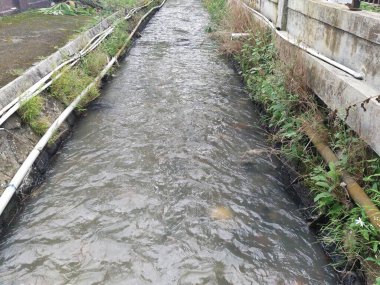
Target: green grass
(370, 7)
(40, 126)
(116, 40)
(92, 94)
(31, 109)
(93, 63)
(114, 5)
(70, 85)
(217, 9)
(31, 113)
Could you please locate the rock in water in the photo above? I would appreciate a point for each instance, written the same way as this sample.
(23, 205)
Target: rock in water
(221, 213)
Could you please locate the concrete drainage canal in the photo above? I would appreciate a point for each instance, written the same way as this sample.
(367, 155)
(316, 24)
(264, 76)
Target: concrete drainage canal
(158, 184)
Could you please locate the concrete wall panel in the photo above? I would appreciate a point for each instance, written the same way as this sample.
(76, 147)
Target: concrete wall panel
(269, 9)
(336, 39)
(348, 49)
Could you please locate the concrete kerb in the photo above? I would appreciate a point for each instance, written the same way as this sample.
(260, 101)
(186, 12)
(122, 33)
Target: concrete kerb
(16, 87)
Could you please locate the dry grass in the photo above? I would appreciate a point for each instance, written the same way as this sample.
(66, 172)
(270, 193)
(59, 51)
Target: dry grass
(236, 20)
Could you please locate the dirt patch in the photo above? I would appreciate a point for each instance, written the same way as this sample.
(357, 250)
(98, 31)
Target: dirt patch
(29, 37)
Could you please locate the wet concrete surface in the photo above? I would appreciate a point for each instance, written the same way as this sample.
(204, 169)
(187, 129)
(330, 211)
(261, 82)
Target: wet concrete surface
(29, 37)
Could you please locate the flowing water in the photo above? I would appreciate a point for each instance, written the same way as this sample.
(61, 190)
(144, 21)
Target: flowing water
(156, 187)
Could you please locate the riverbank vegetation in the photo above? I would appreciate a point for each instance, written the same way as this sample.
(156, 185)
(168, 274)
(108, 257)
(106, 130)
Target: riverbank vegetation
(72, 81)
(289, 109)
(370, 7)
(31, 113)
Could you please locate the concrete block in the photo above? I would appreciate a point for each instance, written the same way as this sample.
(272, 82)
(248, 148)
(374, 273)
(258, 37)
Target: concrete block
(269, 9)
(338, 90)
(350, 38)
(282, 14)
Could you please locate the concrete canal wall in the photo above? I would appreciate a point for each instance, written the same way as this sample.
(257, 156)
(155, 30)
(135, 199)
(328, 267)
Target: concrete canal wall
(13, 6)
(350, 38)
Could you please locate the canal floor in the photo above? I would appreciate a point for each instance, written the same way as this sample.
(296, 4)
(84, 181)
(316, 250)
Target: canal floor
(155, 186)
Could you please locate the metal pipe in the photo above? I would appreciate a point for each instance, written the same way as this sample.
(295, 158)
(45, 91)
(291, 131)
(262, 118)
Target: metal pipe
(354, 190)
(236, 36)
(28, 163)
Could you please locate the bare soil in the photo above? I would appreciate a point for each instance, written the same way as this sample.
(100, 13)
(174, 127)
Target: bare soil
(27, 38)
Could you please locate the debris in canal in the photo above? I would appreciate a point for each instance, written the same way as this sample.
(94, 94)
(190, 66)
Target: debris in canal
(221, 213)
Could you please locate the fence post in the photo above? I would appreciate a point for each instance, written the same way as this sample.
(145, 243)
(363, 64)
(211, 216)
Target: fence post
(23, 4)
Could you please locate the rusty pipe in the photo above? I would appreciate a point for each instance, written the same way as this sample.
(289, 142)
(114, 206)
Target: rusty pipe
(354, 190)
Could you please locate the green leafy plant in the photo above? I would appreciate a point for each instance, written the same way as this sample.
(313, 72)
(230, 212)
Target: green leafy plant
(370, 7)
(31, 113)
(116, 40)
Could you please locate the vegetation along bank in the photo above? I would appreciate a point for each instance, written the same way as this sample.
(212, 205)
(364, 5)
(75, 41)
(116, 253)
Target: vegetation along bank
(329, 164)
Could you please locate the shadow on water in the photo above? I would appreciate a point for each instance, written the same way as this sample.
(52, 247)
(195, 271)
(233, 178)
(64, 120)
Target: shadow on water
(153, 188)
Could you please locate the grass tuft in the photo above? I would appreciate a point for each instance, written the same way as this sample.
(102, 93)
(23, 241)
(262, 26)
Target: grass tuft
(116, 40)
(70, 85)
(31, 109)
(31, 113)
(217, 9)
(40, 125)
(93, 63)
